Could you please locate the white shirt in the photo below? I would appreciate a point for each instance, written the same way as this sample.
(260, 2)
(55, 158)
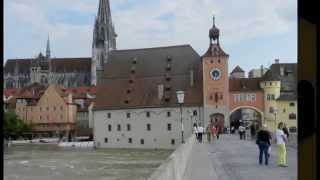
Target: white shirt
(241, 129)
(279, 136)
(200, 129)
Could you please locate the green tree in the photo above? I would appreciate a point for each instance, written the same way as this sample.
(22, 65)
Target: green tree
(13, 126)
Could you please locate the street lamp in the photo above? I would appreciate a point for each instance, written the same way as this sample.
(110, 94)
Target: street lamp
(180, 97)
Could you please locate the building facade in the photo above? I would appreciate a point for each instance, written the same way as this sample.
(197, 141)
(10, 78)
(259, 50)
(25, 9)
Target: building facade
(68, 72)
(137, 107)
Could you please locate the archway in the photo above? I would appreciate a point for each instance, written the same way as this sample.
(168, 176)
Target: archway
(217, 120)
(246, 116)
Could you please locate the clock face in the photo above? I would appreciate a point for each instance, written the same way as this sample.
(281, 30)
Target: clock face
(215, 74)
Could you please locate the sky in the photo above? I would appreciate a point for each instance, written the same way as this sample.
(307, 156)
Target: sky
(252, 32)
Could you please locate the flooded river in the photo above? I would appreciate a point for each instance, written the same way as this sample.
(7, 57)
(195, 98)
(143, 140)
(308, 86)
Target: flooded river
(49, 162)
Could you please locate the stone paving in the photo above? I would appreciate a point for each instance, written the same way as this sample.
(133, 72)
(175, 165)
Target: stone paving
(235, 159)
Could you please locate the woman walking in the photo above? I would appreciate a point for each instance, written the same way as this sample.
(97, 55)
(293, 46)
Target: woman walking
(281, 139)
(213, 132)
(195, 130)
(263, 142)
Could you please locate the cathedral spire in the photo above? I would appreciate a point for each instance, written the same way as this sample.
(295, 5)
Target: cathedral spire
(104, 12)
(48, 48)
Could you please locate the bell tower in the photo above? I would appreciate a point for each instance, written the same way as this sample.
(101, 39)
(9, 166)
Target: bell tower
(215, 82)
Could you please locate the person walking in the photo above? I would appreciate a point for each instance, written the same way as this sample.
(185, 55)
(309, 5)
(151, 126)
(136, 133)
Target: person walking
(208, 132)
(263, 141)
(241, 131)
(200, 132)
(195, 130)
(218, 132)
(213, 132)
(281, 142)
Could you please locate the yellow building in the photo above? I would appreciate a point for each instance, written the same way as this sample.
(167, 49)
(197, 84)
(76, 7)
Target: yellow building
(280, 95)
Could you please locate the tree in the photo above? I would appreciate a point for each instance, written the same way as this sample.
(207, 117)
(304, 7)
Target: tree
(13, 126)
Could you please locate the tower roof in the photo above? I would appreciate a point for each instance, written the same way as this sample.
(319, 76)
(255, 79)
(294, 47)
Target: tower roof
(214, 31)
(237, 69)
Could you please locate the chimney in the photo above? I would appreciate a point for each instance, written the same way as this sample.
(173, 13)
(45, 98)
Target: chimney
(261, 70)
(191, 78)
(276, 61)
(160, 91)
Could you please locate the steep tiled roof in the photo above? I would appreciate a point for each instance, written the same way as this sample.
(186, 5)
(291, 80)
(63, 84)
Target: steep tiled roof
(244, 84)
(150, 69)
(57, 65)
(10, 92)
(215, 50)
(237, 69)
(33, 91)
(288, 79)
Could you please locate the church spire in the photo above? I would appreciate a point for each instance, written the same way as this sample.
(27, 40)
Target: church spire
(48, 48)
(104, 12)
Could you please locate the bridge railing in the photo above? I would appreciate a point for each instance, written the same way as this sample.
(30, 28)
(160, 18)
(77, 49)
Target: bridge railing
(174, 166)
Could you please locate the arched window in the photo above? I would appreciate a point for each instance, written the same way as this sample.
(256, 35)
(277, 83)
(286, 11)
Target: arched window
(292, 116)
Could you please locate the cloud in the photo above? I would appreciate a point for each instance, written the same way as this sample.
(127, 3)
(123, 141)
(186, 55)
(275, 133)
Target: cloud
(143, 23)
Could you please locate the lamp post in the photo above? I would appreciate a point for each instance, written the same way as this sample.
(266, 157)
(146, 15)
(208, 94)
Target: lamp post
(180, 97)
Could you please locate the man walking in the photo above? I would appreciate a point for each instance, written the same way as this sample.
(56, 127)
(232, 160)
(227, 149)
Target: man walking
(200, 132)
(213, 132)
(242, 131)
(281, 139)
(195, 130)
(263, 142)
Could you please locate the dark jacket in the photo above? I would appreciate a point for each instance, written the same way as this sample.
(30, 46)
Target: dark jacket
(263, 136)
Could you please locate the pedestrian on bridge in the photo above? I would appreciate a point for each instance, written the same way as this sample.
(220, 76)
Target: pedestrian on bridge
(200, 132)
(281, 142)
(263, 141)
(195, 130)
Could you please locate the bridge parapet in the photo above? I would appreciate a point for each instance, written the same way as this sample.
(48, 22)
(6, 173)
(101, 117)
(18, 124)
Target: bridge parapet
(174, 167)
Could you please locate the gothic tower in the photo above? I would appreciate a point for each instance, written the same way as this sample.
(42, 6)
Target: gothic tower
(104, 40)
(215, 81)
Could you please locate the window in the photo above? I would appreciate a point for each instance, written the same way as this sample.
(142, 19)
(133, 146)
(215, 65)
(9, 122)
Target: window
(128, 127)
(172, 141)
(292, 104)
(141, 141)
(284, 110)
(128, 91)
(54, 108)
(148, 114)
(128, 115)
(292, 116)
(61, 116)
(119, 127)
(168, 114)
(195, 112)
(109, 127)
(118, 139)
(270, 83)
(47, 108)
(61, 108)
(126, 101)
(106, 140)
(211, 61)
(219, 61)
(40, 117)
(169, 127)
(109, 115)
(130, 140)
(40, 108)
(148, 127)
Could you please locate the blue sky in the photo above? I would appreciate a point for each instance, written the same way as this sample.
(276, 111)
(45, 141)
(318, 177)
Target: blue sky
(253, 33)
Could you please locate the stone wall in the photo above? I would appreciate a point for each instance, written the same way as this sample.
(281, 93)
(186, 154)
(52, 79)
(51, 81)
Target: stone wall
(174, 167)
